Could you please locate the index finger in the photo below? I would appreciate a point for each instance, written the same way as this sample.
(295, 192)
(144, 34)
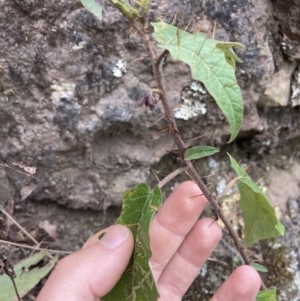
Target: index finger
(173, 222)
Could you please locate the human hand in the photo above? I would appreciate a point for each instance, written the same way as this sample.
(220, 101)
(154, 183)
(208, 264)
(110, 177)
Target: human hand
(180, 245)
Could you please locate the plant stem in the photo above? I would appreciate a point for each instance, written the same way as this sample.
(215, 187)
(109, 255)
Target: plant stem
(171, 176)
(158, 76)
(157, 63)
(195, 176)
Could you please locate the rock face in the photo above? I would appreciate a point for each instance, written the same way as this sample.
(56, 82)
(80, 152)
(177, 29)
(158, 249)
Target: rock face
(69, 85)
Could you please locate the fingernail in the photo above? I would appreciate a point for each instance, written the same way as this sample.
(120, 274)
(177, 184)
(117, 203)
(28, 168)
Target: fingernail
(114, 237)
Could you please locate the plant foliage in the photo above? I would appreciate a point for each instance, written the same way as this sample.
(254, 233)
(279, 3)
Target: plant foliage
(94, 7)
(258, 213)
(137, 282)
(126, 9)
(26, 276)
(259, 267)
(267, 295)
(198, 152)
(211, 62)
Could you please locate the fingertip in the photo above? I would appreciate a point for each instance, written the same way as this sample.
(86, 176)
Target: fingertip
(242, 285)
(246, 281)
(93, 271)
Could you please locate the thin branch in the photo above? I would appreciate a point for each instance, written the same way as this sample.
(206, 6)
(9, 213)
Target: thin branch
(156, 177)
(160, 57)
(231, 249)
(157, 120)
(27, 174)
(18, 225)
(220, 214)
(160, 132)
(223, 263)
(218, 211)
(171, 176)
(158, 76)
(157, 71)
(195, 138)
(186, 28)
(213, 175)
(15, 288)
(34, 247)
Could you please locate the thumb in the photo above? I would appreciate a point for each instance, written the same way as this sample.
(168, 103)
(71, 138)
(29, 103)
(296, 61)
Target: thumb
(91, 272)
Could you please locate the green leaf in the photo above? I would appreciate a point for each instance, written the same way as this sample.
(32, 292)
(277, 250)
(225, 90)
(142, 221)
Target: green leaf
(268, 295)
(144, 4)
(211, 62)
(126, 9)
(230, 56)
(26, 278)
(239, 170)
(258, 213)
(259, 267)
(198, 152)
(94, 7)
(137, 282)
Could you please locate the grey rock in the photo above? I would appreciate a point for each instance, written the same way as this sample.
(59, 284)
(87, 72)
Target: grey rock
(277, 91)
(70, 83)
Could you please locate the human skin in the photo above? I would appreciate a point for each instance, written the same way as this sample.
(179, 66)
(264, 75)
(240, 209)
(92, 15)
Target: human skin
(180, 243)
